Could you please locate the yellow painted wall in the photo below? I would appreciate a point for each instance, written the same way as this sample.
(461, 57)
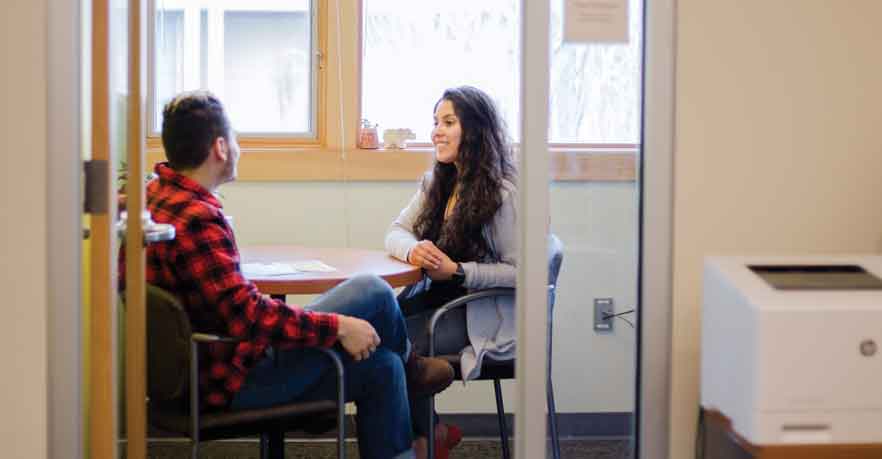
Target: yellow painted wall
(86, 355)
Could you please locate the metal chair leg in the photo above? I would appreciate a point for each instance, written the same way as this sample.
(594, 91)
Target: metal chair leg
(272, 444)
(500, 414)
(430, 435)
(264, 446)
(552, 422)
(341, 427)
(341, 402)
(552, 411)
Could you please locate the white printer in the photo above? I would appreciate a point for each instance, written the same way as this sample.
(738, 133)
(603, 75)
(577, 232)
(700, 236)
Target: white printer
(791, 347)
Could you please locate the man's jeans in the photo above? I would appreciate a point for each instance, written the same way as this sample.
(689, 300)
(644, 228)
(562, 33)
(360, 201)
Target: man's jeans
(377, 384)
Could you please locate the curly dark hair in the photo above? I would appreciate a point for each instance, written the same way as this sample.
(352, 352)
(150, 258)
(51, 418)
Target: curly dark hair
(191, 122)
(484, 164)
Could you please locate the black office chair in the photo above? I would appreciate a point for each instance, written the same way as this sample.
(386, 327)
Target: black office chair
(498, 370)
(174, 403)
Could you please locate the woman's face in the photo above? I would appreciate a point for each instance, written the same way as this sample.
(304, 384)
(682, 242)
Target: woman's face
(447, 133)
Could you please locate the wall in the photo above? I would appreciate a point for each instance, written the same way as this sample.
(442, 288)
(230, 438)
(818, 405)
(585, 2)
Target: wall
(596, 222)
(23, 56)
(777, 148)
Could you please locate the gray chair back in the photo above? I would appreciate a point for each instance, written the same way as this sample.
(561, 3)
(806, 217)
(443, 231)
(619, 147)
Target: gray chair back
(555, 260)
(168, 346)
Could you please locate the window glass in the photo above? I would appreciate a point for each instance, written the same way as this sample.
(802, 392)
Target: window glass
(257, 55)
(412, 51)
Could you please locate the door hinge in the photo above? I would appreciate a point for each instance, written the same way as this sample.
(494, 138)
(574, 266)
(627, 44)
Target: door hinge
(97, 178)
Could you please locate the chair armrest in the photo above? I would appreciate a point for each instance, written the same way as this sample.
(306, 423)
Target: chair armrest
(195, 340)
(341, 381)
(459, 302)
(335, 358)
(465, 299)
(208, 338)
(341, 399)
(201, 338)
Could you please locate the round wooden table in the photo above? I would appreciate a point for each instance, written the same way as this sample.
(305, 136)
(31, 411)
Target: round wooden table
(348, 262)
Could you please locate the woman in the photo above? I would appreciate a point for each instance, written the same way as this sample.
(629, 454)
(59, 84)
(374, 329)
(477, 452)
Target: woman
(460, 228)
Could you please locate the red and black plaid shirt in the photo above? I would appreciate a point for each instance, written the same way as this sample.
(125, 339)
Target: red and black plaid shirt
(201, 267)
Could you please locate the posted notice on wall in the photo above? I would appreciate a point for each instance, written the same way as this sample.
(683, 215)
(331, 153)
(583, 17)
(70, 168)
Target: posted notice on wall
(595, 21)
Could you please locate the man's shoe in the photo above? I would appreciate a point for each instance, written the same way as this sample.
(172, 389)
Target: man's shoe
(427, 376)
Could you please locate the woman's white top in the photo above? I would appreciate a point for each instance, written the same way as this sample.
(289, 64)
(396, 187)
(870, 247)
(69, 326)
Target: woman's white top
(490, 321)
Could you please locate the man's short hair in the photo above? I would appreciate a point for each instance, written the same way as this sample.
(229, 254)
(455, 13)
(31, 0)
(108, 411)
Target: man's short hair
(191, 122)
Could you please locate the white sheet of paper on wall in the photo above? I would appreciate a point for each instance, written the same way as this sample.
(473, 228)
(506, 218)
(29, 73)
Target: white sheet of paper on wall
(595, 21)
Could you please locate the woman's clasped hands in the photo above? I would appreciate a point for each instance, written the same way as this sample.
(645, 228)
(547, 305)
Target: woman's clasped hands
(434, 261)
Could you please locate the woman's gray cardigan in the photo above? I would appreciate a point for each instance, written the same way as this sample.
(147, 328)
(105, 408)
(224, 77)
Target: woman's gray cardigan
(490, 321)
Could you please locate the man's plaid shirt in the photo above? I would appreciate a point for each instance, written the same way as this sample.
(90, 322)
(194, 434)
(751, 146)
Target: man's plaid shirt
(201, 267)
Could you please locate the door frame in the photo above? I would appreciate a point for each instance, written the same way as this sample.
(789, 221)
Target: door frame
(653, 394)
(64, 230)
(655, 233)
(532, 267)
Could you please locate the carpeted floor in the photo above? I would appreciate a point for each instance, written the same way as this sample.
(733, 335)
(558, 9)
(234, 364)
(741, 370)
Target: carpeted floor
(468, 449)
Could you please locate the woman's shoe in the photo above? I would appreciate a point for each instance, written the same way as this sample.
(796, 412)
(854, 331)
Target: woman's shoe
(454, 436)
(448, 442)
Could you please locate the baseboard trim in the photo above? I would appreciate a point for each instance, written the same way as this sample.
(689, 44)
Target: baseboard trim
(576, 425)
(569, 425)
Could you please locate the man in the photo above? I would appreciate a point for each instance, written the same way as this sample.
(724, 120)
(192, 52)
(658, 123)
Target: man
(273, 364)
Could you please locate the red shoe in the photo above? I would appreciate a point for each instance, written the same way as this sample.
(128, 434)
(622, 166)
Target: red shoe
(454, 436)
(442, 448)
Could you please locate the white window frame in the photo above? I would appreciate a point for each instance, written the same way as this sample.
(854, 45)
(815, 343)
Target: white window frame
(215, 68)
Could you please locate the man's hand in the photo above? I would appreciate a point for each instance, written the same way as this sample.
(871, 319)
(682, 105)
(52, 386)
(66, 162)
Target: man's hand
(357, 336)
(426, 255)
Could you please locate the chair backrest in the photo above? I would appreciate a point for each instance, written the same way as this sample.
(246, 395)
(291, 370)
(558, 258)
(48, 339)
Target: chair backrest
(555, 259)
(168, 346)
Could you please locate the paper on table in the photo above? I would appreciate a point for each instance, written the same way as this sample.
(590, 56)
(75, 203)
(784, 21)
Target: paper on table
(313, 266)
(268, 269)
(282, 269)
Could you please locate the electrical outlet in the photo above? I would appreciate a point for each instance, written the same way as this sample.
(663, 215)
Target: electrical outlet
(603, 307)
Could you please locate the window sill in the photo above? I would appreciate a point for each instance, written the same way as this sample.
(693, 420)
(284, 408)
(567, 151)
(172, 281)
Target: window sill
(323, 164)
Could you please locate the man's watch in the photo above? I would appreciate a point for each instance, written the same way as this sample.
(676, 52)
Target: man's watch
(458, 277)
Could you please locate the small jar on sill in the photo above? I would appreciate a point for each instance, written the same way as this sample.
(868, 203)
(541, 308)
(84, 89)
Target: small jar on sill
(367, 136)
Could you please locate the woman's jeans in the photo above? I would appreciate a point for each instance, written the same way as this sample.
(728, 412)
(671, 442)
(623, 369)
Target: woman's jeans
(377, 384)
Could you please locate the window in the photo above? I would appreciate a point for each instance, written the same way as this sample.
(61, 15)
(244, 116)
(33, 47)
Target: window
(412, 51)
(258, 56)
(296, 76)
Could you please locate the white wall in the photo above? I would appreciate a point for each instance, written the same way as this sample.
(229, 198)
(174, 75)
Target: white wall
(777, 147)
(23, 50)
(596, 222)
